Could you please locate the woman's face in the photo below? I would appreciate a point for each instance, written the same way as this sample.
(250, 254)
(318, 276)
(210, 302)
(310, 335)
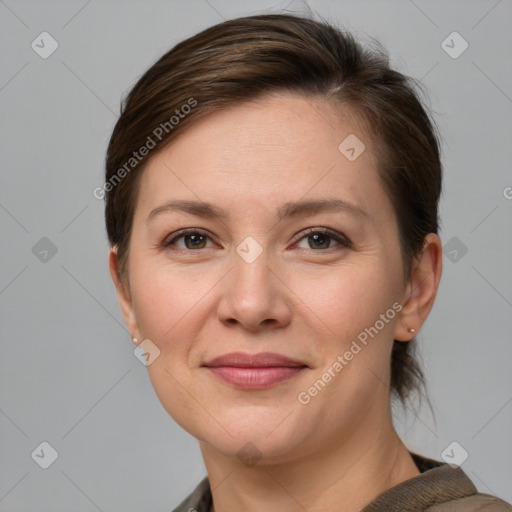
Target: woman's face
(265, 277)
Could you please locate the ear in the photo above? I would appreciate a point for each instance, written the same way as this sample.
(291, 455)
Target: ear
(123, 295)
(421, 289)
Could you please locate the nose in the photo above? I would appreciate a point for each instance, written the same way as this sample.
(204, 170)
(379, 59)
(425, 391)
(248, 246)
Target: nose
(254, 295)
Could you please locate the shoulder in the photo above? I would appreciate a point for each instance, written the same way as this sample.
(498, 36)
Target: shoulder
(474, 503)
(199, 500)
(440, 487)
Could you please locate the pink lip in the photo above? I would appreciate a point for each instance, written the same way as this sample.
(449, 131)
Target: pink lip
(261, 360)
(255, 378)
(257, 371)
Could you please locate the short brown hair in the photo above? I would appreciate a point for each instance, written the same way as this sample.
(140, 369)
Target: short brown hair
(244, 58)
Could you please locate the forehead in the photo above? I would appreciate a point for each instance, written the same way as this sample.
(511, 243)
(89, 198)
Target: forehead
(277, 125)
(276, 148)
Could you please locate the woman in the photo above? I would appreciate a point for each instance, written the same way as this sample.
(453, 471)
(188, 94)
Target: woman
(272, 199)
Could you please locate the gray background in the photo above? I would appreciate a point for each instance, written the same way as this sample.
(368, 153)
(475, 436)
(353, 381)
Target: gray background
(68, 375)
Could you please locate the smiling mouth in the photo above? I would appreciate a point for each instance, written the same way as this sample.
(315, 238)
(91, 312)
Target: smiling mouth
(254, 371)
(254, 377)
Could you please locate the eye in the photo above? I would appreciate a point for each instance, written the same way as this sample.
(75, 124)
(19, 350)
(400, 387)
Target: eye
(317, 238)
(193, 239)
(321, 238)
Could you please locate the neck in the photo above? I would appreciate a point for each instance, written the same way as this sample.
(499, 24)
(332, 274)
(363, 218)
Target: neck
(350, 475)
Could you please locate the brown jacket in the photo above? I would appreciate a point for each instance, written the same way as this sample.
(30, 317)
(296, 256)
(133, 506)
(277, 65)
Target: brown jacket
(439, 488)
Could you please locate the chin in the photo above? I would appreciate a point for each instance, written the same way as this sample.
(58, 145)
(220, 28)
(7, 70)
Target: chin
(256, 440)
(251, 450)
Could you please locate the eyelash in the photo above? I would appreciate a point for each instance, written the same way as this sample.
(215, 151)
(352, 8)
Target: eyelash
(338, 237)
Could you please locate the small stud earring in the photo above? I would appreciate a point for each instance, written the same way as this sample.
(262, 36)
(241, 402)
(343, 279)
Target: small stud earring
(135, 340)
(411, 330)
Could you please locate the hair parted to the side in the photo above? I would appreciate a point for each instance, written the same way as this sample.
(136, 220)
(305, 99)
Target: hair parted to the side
(242, 59)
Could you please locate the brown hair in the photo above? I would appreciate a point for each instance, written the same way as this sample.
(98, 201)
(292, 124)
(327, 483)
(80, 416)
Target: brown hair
(241, 59)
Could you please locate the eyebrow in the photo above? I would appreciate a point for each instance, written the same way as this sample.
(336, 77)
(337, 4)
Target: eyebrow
(286, 211)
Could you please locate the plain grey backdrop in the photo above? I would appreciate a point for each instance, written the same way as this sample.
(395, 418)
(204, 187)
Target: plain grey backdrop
(68, 375)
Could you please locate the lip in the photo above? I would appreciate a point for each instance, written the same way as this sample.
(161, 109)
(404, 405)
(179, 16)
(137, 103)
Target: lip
(260, 360)
(254, 371)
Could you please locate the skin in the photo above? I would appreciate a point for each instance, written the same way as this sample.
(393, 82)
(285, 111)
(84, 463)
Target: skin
(295, 299)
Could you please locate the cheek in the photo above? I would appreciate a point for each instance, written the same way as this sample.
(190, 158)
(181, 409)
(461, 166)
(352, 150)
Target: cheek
(168, 303)
(353, 307)
(346, 300)
(169, 308)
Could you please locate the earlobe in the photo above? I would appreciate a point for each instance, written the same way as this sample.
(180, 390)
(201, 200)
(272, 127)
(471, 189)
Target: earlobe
(123, 296)
(421, 290)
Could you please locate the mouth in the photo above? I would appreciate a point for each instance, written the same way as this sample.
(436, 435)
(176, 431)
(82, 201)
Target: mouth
(254, 371)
